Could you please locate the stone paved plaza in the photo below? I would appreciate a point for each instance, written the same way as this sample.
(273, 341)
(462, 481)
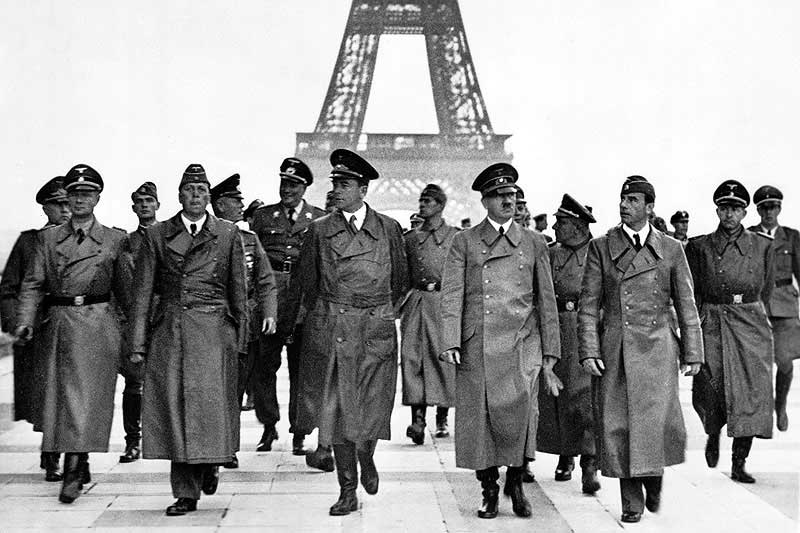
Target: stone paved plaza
(421, 490)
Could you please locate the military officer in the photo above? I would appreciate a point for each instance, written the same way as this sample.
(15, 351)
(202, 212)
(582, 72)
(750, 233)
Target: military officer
(627, 342)
(352, 275)
(195, 263)
(250, 212)
(680, 222)
(500, 328)
(541, 224)
(281, 228)
(566, 422)
(782, 307)
(426, 379)
(145, 204)
(77, 268)
(29, 371)
(466, 223)
(734, 277)
(262, 294)
(521, 214)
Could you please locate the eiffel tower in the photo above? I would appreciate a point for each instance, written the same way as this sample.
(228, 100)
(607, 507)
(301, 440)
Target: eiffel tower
(466, 142)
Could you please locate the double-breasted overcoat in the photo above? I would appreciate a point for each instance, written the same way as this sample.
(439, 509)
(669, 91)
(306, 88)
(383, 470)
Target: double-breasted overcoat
(499, 308)
(190, 405)
(625, 319)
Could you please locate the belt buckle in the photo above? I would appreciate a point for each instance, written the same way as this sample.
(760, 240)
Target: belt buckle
(570, 306)
(737, 298)
(287, 266)
(430, 287)
(78, 300)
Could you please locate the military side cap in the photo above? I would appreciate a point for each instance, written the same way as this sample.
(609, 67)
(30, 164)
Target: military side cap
(540, 216)
(731, 192)
(148, 188)
(83, 177)
(520, 195)
(350, 165)
(767, 194)
(194, 173)
(570, 208)
(496, 179)
(52, 191)
(255, 204)
(227, 188)
(295, 170)
(639, 184)
(432, 190)
(679, 216)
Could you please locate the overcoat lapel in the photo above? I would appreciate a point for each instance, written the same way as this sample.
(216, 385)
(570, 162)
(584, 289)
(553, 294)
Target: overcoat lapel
(206, 234)
(178, 239)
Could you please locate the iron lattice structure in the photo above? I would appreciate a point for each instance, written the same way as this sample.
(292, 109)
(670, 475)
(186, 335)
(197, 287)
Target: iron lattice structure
(466, 142)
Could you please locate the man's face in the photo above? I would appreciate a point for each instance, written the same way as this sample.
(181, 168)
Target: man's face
(57, 212)
(769, 211)
(291, 192)
(82, 202)
(520, 210)
(730, 216)
(428, 207)
(541, 224)
(194, 198)
(145, 207)
(633, 211)
(348, 194)
(500, 207)
(681, 227)
(566, 229)
(230, 209)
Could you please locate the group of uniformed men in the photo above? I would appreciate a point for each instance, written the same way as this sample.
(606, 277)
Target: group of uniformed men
(572, 348)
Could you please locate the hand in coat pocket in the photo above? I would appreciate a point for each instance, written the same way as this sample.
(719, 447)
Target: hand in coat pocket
(451, 356)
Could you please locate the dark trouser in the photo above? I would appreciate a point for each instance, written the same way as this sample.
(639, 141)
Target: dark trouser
(266, 396)
(187, 479)
(132, 400)
(488, 474)
(630, 490)
(247, 365)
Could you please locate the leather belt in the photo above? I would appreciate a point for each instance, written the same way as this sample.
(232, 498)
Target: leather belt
(284, 267)
(429, 286)
(77, 301)
(567, 306)
(783, 282)
(731, 299)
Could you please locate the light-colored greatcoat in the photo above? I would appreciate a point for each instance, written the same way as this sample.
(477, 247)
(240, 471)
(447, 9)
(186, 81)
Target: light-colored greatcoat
(190, 406)
(624, 318)
(498, 307)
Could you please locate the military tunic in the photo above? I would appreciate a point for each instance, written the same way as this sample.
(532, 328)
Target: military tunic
(499, 308)
(352, 284)
(566, 423)
(733, 282)
(426, 379)
(79, 343)
(625, 319)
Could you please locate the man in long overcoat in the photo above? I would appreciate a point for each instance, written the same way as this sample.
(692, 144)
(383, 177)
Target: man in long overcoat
(29, 368)
(77, 267)
(734, 277)
(426, 379)
(500, 327)
(352, 276)
(782, 307)
(566, 422)
(626, 340)
(195, 263)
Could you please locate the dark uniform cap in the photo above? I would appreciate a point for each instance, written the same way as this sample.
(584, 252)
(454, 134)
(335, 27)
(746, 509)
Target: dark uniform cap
(148, 188)
(255, 204)
(570, 208)
(679, 216)
(83, 176)
(227, 188)
(767, 193)
(350, 165)
(639, 184)
(540, 216)
(52, 191)
(295, 170)
(520, 195)
(731, 192)
(496, 179)
(432, 190)
(194, 173)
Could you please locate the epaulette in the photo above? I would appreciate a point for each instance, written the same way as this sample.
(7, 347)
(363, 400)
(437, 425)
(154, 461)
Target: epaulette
(246, 231)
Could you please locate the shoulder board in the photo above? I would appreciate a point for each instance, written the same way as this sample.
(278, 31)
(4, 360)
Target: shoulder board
(246, 231)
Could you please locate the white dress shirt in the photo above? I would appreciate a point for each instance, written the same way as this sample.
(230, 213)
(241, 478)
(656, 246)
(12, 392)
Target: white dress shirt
(497, 226)
(198, 223)
(360, 214)
(643, 233)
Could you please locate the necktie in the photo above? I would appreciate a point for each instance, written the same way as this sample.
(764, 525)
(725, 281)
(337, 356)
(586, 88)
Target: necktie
(291, 215)
(81, 235)
(502, 231)
(193, 229)
(353, 227)
(637, 243)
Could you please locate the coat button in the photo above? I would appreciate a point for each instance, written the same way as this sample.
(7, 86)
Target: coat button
(483, 252)
(627, 323)
(341, 311)
(485, 266)
(488, 312)
(487, 296)
(487, 281)
(339, 339)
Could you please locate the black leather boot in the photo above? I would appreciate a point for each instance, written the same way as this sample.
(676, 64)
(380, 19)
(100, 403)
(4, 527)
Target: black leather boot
(72, 483)
(442, 430)
(265, 444)
(321, 459)
(86, 476)
(369, 474)
(566, 464)
(347, 473)
(712, 450)
(513, 488)
(132, 423)
(527, 473)
(416, 431)
(491, 492)
(49, 461)
(783, 382)
(298, 442)
(589, 482)
(740, 451)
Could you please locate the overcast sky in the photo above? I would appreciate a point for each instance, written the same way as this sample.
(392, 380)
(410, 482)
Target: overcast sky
(686, 93)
